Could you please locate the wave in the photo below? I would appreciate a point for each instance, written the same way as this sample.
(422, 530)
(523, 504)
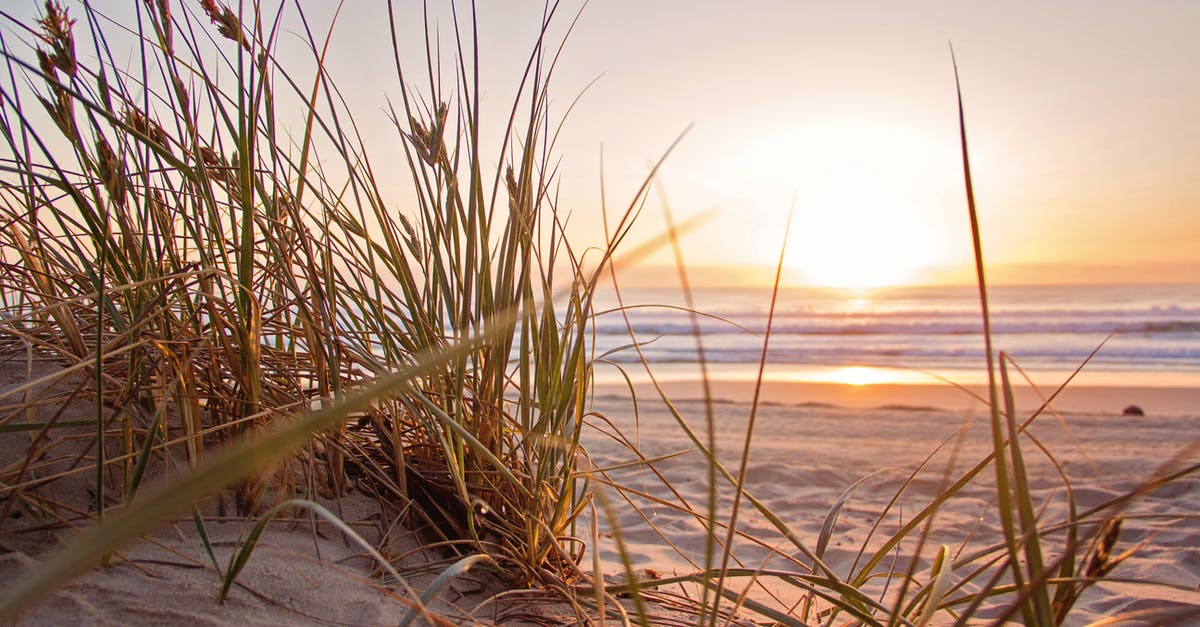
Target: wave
(1152, 328)
(826, 325)
(1168, 350)
(1189, 361)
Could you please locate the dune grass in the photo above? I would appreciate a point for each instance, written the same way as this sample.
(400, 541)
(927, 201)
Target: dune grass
(247, 309)
(211, 277)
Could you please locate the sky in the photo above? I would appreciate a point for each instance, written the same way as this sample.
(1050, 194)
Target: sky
(1082, 125)
(1082, 120)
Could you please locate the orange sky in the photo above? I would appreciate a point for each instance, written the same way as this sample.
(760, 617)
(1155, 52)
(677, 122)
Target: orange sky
(1082, 121)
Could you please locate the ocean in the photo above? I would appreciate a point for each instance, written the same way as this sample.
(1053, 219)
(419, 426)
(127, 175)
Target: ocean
(1147, 335)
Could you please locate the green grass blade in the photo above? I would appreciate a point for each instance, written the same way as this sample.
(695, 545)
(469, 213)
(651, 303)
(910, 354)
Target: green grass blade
(202, 531)
(1003, 489)
(831, 517)
(1031, 541)
(454, 570)
(239, 557)
(939, 574)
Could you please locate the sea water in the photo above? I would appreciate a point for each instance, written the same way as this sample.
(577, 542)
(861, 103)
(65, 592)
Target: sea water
(1143, 335)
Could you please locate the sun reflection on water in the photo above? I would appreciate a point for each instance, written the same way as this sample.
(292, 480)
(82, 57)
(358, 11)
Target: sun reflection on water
(864, 375)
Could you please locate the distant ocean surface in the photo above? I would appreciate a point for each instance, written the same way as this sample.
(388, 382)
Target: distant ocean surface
(901, 334)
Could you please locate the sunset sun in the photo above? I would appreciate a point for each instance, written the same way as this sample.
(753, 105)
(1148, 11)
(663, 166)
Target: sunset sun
(870, 196)
(859, 247)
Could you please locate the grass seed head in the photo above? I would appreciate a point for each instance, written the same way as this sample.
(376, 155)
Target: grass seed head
(61, 111)
(181, 96)
(112, 171)
(1102, 562)
(151, 129)
(227, 22)
(161, 215)
(56, 33)
(514, 191)
(429, 142)
(163, 17)
(411, 240)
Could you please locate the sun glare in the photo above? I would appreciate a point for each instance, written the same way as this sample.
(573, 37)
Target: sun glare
(870, 202)
(860, 246)
(864, 375)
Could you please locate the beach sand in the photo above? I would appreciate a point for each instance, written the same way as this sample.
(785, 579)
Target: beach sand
(807, 450)
(806, 453)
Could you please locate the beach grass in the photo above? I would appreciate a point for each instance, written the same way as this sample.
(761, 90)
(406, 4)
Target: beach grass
(240, 284)
(257, 326)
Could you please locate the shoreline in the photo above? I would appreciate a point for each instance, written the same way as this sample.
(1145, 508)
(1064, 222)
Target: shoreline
(1074, 398)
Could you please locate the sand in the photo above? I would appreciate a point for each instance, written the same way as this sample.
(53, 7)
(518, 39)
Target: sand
(303, 571)
(804, 455)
